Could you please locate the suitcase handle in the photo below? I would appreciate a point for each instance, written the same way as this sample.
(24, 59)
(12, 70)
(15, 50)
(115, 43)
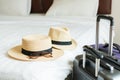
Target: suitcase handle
(109, 62)
(94, 52)
(102, 56)
(90, 50)
(116, 46)
(105, 17)
(110, 33)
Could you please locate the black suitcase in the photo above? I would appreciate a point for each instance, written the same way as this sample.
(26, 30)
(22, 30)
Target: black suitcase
(96, 65)
(86, 66)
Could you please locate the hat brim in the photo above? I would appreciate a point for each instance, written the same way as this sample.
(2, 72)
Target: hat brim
(16, 53)
(66, 47)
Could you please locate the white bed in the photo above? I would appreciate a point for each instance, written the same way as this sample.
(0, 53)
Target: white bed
(13, 28)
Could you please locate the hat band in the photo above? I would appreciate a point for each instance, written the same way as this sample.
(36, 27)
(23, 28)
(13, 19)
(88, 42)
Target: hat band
(37, 53)
(62, 42)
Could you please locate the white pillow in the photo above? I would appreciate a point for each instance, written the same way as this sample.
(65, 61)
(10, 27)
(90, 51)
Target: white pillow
(15, 7)
(73, 8)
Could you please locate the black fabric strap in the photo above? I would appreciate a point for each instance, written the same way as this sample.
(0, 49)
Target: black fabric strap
(37, 53)
(61, 42)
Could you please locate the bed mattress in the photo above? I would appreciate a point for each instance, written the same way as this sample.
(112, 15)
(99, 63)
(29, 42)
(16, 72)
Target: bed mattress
(12, 29)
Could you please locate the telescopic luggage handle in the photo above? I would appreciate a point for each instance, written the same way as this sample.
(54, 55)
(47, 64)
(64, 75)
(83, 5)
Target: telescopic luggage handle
(106, 17)
(108, 61)
(100, 55)
(89, 49)
(110, 32)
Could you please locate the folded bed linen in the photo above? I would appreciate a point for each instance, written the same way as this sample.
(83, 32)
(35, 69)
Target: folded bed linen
(12, 29)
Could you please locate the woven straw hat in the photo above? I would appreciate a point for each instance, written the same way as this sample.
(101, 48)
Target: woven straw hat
(35, 47)
(61, 38)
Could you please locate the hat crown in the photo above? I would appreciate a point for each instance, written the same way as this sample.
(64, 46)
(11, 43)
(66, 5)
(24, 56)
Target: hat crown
(36, 42)
(60, 34)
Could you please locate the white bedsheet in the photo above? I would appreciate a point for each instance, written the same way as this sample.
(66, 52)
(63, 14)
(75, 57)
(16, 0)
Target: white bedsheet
(12, 29)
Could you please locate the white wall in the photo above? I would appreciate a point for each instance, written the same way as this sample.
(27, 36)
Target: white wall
(116, 15)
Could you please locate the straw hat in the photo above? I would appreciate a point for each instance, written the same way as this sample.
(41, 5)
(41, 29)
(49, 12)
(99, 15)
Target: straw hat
(35, 47)
(61, 38)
